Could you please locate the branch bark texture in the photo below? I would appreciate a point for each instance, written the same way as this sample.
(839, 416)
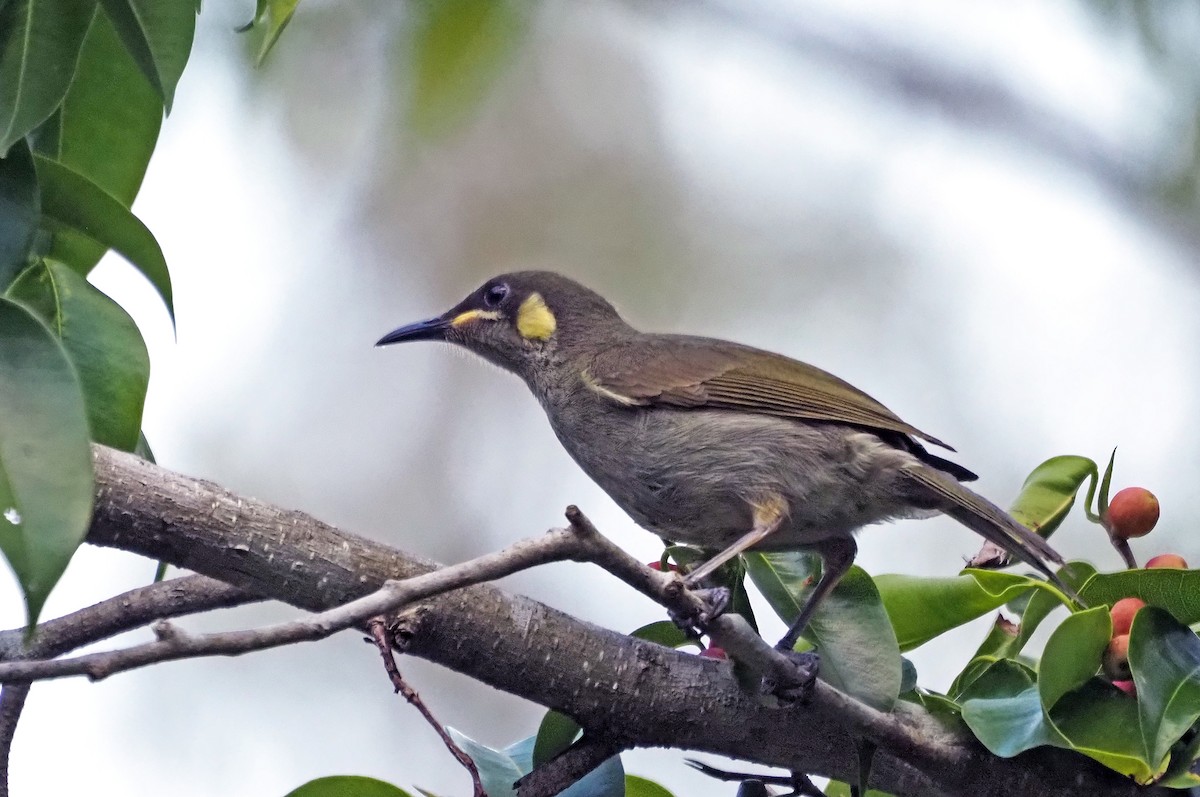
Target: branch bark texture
(624, 690)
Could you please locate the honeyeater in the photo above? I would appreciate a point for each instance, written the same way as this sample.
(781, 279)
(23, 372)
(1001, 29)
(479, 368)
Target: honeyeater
(712, 443)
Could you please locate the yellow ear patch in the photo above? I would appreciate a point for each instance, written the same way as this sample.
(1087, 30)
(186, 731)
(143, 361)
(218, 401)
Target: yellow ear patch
(472, 315)
(534, 319)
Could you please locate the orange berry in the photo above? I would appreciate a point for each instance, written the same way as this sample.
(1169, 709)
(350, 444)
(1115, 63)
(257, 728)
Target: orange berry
(1167, 560)
(1132, 513)
(1122, 614)
(714, 652)
(1116, 658)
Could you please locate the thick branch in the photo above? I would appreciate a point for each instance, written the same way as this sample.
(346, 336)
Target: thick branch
(628, 691)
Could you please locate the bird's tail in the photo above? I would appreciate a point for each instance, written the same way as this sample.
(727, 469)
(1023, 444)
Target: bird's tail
(990, 522)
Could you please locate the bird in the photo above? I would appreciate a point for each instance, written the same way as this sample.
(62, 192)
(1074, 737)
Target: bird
(715, 444)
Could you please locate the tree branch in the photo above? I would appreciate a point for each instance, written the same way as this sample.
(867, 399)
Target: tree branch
(172, 643)
(124, 612)
(626, 691)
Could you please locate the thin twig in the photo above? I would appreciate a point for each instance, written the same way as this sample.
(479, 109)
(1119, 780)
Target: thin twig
(550, 547)
(378, 628)
(118, 614)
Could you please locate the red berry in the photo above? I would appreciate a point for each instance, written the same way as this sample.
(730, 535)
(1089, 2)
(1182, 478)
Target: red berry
(1122, 614)
(657, 565)
(1127, 687)
(713, 652)
(1167, 560)
(1116, 658)
(1132, 513)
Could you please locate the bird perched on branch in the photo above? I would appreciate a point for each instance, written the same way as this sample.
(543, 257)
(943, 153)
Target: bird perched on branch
(712, 443)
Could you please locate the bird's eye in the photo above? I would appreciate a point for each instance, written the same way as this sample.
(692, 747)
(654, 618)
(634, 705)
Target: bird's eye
(494, 294)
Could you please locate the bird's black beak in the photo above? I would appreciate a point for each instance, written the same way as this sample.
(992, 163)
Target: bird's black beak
(429, 329)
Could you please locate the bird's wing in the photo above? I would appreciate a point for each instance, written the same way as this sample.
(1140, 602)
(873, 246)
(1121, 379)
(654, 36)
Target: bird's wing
(688, 372)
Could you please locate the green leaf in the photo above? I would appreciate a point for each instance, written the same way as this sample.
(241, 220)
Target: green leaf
(497, 770)
(103, 343)
(1177, 591)
(641, 787)
(1010, 724)
(159, 37)
(1049, 492)
(606, 780)
(665, 633)
(1101, 722)
(270, 18)
(347, 786)
(1073, 653)
(859, 654)
(1043, 602)
(555, 734)
(1165, 658)
(838, 789)
(108, 124)
(1068, 707)
(39, 45)
(20, 207)
(71, 201)
(460, 48)
(1105, 482)
(923, 608)
(45, 459)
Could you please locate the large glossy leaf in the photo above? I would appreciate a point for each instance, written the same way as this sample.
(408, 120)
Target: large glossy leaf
(1165, 658)
(851, 630)
(922, 608)
(39, 45)
(460, 48)
(103, 343)
(45, 459)
(1073, 653)
(158, 35)
(1049, 492)
(71, 201)
(20, 207)
(1101, 722)
(347, 786)
(1177, 591)
(108, 124)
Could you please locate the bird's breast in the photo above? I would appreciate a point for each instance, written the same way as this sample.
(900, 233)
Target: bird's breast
(693, 475)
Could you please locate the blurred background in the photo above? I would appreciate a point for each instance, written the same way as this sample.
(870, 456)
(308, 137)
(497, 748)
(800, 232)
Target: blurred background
(984, 214)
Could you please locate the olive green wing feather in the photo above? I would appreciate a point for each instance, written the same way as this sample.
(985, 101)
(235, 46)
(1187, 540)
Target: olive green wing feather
(683, 371)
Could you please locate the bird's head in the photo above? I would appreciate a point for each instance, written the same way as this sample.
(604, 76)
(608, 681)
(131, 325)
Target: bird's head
(513, 320)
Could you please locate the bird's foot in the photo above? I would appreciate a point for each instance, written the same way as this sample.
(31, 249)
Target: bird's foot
(797, 689)
(715, 602)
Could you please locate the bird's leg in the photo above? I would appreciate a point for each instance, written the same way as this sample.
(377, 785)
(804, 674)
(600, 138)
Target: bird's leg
(768, 516)
(837, 554)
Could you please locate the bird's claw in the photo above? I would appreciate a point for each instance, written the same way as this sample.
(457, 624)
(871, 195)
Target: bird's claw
(716, 601)
(799, 688)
